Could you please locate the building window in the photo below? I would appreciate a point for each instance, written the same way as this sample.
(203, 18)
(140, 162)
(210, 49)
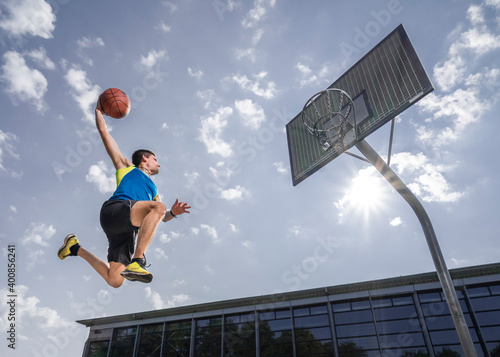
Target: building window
(442, 331)
(398, 327)
(177, 339)
(355, 329)
(208, 337)
(150, 340)
(275, 333)
(485, 302)
(98, 349)
(123, 342)
(239, 335)
(313, 334)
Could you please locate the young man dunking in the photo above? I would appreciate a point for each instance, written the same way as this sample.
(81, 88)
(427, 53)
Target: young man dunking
(131, 214)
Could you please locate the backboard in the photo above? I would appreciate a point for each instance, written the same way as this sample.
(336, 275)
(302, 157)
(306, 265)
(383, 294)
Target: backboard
(386, 81)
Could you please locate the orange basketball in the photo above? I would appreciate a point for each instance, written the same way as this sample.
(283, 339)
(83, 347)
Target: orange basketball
(114, 103)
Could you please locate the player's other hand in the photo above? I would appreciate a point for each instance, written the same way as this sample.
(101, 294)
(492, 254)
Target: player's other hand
(180, 207)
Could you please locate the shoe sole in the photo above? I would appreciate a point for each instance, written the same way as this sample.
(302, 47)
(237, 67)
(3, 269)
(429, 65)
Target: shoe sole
(133, 276)
(68, 237)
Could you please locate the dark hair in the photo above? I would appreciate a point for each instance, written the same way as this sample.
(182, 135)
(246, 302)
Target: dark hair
(137, 156)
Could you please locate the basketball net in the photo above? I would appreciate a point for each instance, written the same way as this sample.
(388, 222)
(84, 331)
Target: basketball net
(326, 116)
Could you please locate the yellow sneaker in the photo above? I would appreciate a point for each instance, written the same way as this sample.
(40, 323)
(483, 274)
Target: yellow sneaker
(136, 271)
(65, 251)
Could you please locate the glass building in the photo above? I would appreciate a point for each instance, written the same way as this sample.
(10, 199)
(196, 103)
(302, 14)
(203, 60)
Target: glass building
(402, 316)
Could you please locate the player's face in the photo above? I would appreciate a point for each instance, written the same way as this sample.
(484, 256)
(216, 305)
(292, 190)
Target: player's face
(152, 164)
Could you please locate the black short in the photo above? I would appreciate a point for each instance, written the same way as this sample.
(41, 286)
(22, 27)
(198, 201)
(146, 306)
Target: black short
(115, 221)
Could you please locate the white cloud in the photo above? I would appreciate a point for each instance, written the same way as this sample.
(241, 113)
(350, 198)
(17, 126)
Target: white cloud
(83, 92)
(155, 299)
(40, 57)
(257, 36)
(464, 107)
(23, 83)
(296, 230)
(450, 73)
(249, 52)
(170, 6)
(98, 176)
(247, 244)
(428, 181)
(222, 173)
(167, 238)
(148, 64)
(396, 222)
(211, 132)
(207, 96)
(29, 312)
(257, 13)
(158, 303)
(476, 40)
(211, 231)
(38, 233)
(28, 17)
(163, 27)
(280, 167)
(191, 178)
(7, 145)
(493, 3)
(252, 113)
(195, 74)
(233, 194)
(309, 76)
(160, 254)
(86, 43)
(268, 92)
(233, 228)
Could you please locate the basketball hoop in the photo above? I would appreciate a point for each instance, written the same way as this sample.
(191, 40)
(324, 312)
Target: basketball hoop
(326, 116)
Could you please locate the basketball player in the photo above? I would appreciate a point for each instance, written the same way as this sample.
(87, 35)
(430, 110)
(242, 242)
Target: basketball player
(133, 211)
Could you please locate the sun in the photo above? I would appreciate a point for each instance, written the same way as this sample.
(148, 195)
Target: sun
(366, 194)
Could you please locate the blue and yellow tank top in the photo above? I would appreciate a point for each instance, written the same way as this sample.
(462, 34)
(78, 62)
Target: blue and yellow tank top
(133, 184)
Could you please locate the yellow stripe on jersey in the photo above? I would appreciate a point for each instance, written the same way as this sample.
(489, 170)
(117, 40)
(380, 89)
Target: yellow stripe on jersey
(120, 173)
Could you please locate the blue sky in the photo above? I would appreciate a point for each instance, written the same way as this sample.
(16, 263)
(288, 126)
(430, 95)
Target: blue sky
(212, 85)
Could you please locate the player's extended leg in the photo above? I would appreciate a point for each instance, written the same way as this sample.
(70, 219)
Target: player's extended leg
(110, 272)
(146, 215)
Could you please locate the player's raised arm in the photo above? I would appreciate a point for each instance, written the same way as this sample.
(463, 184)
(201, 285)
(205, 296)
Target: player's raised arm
(119, 161)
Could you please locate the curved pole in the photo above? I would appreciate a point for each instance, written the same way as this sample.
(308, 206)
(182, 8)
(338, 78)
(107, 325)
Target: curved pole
(437, 255)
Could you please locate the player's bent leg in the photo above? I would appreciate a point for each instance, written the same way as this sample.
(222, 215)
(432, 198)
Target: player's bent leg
(146, 215)
(141, 209)
(115, 279)
(136, 271)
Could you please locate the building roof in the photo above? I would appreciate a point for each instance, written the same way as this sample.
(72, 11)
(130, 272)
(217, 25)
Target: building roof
(416, 279)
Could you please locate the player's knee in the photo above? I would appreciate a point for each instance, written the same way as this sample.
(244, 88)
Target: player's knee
(116, 283)
(160, 208)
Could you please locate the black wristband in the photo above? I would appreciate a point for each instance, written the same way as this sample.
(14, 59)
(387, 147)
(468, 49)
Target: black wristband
(173, 215)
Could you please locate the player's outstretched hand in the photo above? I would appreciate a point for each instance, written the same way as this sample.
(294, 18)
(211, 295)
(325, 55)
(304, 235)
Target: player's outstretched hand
(180, 207)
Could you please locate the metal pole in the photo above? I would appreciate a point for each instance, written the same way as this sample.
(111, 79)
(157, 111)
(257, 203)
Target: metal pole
(437, 255)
